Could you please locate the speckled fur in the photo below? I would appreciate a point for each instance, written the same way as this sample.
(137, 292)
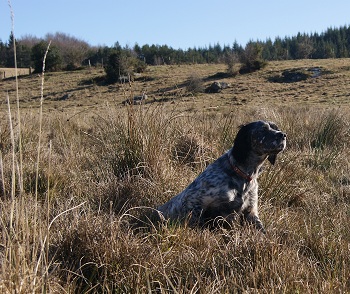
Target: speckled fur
(219, 192)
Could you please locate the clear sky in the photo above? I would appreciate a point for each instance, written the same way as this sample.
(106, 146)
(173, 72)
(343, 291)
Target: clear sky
(176, 23)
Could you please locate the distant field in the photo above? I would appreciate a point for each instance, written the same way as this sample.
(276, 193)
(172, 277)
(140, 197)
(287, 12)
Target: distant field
(170, 84)
(11, 72)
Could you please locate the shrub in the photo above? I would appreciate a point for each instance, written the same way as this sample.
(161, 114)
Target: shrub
(231, 60)
(53, 59)
(140, 66)
(251, 58)
(122, 63)
(115, 67)
(194, 84)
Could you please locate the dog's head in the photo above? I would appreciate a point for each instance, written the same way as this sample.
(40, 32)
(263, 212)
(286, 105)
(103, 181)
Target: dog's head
(261, 137)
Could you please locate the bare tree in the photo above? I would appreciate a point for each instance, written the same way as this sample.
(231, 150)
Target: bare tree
(73, 50)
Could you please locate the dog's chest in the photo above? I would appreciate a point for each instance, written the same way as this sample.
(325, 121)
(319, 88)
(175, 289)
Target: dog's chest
(242, 195)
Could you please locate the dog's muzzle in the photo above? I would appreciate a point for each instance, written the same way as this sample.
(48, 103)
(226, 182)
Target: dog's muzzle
(281, 141)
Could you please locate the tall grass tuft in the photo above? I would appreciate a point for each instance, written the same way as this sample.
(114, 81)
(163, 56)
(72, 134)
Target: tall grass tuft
(328, 141)
(330, 131)
(20, 169)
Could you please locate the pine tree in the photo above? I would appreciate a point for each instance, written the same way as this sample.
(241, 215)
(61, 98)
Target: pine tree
(251, 58)
(53, 59)
(9, 59)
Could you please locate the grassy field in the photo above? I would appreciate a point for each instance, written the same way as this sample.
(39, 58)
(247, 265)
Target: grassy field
(79, 180)
(11, 72)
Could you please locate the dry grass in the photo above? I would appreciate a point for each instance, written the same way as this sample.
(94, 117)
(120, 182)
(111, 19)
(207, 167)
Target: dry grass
(85, 89)
(103, 166)
(11, 72)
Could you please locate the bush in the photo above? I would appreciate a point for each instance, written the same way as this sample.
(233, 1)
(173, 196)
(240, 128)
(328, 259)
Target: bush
(194, 84)
(53, 59)
(115, 67)
(140, 66)
(231, 60)
(122, 63)
(251, 58)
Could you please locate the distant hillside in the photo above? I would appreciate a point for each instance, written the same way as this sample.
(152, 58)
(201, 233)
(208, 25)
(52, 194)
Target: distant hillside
(322, 82)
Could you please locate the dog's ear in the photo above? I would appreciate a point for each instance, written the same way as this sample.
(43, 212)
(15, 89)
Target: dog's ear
(272, 158)
(273, 125)
(242, 144)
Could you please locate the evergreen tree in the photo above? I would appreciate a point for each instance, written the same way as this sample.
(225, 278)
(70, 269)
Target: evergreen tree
(2, 54)
(53, 59)
(24, 58)
(268, 50)
(122, 62)
(251, 57)
(10, 60)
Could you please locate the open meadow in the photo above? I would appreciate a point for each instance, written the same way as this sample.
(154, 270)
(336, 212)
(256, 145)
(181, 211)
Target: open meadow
(81, 172)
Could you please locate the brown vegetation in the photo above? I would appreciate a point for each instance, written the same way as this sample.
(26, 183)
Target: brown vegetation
(11, 72)
(79, 224)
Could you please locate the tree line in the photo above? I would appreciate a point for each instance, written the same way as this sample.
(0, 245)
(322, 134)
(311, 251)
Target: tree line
(69, 53)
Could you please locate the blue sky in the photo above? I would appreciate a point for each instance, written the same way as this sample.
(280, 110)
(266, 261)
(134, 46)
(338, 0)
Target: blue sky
(177, 23)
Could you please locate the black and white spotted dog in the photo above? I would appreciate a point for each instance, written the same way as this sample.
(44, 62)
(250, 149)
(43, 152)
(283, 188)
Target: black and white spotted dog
(229, 185)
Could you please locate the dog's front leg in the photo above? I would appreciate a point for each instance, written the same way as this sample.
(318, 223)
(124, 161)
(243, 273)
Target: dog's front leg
(195, 215)
(255, 220)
